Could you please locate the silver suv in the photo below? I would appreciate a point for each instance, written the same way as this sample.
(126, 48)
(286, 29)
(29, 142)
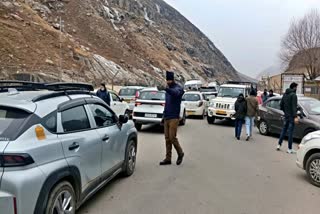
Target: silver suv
(59, 144)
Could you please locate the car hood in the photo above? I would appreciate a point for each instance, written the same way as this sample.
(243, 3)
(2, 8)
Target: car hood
(3, 145)
(315, 118)
(228, 100)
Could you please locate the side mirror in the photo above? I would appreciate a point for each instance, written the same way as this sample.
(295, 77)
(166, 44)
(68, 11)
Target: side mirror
(123, 119)
(300, 114)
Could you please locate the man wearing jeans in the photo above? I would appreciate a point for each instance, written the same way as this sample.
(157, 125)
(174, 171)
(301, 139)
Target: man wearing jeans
(289, 105)
(171, 118)
(252, 112)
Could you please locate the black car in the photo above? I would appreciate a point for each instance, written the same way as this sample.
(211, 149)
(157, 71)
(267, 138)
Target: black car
(271, 117)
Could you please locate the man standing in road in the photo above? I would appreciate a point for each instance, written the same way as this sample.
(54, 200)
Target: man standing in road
(252, 112)
(289, 105)
(103, 94)
(171, 114)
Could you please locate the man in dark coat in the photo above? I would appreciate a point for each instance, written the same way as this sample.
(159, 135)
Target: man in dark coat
(171, 118)
(103, 94)
(241, 111)
(289, 105)
(271, 94)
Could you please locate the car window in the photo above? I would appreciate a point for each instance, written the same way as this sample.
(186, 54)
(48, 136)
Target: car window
(128, 92)
(75, 119)
(115, 98)
(50, 122)
(312, 106)
(152, 95)
(275, 104)
(191, 97)
(102, 116)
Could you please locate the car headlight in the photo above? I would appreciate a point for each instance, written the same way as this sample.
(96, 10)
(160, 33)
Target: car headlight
(212, 104)
(310, 137)
(231, 107)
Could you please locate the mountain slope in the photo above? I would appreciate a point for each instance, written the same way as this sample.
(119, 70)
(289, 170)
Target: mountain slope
(127, 41)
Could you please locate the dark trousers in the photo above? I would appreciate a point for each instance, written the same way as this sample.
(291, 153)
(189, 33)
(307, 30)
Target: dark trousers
(170, 131)
(238, 127)
(288, 126)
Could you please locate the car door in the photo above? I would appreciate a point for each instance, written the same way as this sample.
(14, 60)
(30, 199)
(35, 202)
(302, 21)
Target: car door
(81, 144)
(111, 137)
(274, 115)
(117, 106)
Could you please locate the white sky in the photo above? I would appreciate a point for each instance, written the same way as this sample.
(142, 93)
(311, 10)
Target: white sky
(248, 32)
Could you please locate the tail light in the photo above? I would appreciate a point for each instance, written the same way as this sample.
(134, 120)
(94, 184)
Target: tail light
(15, 160)
(137, 104)
(200, 103)
(137, 95)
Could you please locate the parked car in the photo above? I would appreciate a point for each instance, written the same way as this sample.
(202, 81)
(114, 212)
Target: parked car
(193, 85)
(149, 108)
(271, 117)
(129, 94)
(308, 157)
(58, 147)
(195, 104)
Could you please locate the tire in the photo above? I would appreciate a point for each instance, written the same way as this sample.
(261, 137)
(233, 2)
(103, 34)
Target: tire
(211, 120)
(130, 159)
(138, 126)
(263, 128)
(313, 169)
(184, 120)
(64, 191)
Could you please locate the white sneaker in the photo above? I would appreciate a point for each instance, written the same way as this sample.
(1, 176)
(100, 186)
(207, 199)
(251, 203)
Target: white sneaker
(291, 151)
(278, 147)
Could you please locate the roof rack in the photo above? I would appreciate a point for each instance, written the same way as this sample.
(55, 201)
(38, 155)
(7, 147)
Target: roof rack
(61, 93)
(32, 86)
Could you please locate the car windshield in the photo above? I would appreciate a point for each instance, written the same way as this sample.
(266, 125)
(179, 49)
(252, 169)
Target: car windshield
(128, 92)
(152, 95)
(191, 97)
(230, 92)
(10, 120)
(312, 106)
(209, 89)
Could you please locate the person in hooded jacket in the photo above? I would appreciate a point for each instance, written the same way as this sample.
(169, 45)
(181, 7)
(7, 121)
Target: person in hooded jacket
(103, 94)
(252, 112)
(289, 105)
(241, 111)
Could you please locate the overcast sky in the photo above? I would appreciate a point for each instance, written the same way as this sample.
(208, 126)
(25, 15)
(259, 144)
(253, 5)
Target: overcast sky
(248, 32)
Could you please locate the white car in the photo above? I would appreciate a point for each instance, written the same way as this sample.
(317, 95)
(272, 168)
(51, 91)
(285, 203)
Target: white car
(195, 104)
(149, 108)
(308, 157)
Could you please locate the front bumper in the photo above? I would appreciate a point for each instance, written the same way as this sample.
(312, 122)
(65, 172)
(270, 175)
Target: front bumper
(300, 156)
(194, 112)
(221, 113)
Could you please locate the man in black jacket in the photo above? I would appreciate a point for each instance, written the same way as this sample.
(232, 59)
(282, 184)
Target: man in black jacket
(103, 94)
(289, 105)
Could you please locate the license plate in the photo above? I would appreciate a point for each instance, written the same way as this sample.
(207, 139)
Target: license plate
(190, 112)
(151, 115)
(221, 112)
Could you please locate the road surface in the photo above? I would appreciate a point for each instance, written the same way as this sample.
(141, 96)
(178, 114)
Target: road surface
(219, 175)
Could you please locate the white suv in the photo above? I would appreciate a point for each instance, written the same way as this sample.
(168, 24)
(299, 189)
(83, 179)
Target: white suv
(308, 157)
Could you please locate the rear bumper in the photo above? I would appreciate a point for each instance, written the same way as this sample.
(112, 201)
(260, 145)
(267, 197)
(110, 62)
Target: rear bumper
(212, 112)
(7, 203)
(144, 120)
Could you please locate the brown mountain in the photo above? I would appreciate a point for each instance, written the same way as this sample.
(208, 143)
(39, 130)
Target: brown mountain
(127, 41)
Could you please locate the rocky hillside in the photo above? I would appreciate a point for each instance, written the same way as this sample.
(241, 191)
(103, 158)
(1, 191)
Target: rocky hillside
(125, 41)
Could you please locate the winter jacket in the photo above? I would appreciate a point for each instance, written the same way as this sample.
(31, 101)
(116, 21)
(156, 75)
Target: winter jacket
(173, 102)
(241, 109)
(265, 97)
(252, 106)
(104, 95)
(289, 103)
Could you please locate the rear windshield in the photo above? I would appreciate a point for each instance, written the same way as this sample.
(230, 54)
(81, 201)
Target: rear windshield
(10, 120)
(209, 89)
(191, 97)
(128, 92)
(152, 95)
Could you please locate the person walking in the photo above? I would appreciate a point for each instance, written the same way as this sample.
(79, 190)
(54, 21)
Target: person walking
(171, 118)
(265, 96)
(103, 94)
(241, 110)
(289, 105)
(252, 112)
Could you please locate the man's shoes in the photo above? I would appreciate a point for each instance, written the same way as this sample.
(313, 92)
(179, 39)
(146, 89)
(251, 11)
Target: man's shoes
(248, 138)
(180, 159)
(291, 151)
(165, 162)
(238, 138)
(278, 147)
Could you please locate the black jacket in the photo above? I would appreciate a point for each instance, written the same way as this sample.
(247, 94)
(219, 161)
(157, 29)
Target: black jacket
(241, 109)
(289, 103)
(173, 102)
(105, 96)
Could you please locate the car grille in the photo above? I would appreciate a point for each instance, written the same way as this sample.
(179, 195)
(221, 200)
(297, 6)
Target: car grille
(222, 106)
(139, 114)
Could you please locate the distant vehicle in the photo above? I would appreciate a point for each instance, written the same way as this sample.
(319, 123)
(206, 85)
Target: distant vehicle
(129, 94)
(149, 108)
(222, 107)
(193, 85)
(59, 144)
(271, 117)
(195, 104)
(212, 90)
(308, 157)
(214, 84)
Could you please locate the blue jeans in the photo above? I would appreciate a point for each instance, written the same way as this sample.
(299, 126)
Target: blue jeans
(238, 127)
(287, 127)
(249, 125)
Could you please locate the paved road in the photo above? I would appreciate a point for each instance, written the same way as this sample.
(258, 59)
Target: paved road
(220, 175)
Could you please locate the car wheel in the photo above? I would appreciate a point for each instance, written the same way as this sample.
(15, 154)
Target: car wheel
(138, 126)
(211, 120)
(62, 199)
(313, 169)
(263, 128)
(130, 159)
(184, 120)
